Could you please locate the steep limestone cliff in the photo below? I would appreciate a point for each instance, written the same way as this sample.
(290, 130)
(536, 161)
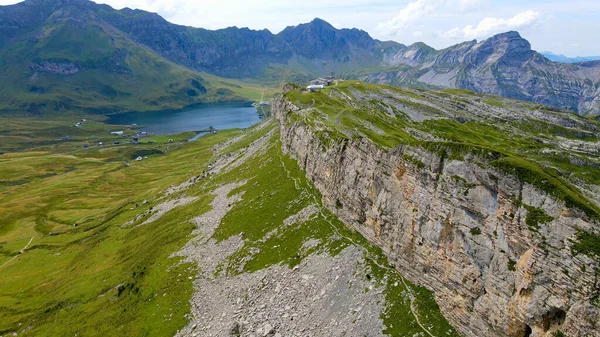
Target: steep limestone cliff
(497, 251)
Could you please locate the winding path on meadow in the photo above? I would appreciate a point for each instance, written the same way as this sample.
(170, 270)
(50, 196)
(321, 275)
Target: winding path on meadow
(20, 252)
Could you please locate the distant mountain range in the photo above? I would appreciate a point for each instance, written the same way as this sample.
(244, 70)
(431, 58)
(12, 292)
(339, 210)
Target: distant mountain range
(76, 53)
(503, 65)
(565, 59)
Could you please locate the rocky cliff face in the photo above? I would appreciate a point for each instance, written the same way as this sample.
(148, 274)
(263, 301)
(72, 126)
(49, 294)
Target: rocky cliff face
(461, 228)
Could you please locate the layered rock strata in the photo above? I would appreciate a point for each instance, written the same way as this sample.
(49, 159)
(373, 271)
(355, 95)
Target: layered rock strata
(459, 228)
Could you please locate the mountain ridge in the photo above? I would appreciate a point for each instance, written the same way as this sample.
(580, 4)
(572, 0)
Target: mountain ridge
(67, 58)
(465, 194)
(503, 65)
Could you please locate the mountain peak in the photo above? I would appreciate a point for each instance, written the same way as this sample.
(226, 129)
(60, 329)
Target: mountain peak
(319, 39)
(316, 26)
(319, 21)
(507, 35)
(510, 43)
(421, 45)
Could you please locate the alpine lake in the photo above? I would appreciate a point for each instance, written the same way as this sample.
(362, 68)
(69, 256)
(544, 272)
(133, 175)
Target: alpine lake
(201, 118)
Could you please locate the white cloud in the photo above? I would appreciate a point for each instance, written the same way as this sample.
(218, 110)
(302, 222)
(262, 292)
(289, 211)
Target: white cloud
(419, 9)
(490, 26)
(417, 34)
(467, 5)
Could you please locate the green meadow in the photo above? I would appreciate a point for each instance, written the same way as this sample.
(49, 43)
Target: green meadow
(68, 265)
(77, 258)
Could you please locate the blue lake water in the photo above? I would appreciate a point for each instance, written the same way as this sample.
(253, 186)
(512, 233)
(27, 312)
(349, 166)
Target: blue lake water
(220, 116)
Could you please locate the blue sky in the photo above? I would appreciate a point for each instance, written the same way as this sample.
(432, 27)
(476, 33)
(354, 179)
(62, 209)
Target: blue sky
(566, 27)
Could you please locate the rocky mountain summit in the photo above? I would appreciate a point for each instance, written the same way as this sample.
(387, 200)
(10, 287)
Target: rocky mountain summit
(475, 197)
(503, 65)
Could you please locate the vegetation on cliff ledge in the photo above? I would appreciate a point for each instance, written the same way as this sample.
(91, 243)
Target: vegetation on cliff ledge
(554, 150)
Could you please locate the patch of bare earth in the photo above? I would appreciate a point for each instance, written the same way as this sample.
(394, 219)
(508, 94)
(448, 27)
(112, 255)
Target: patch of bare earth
(323, 296)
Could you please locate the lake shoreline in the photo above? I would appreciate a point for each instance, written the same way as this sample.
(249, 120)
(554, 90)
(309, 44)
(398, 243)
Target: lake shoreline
(199, 118)
(184, 108)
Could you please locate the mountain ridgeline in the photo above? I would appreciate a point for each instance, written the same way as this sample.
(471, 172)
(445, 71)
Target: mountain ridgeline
(503, 65)
(76, 53)
(65, 56)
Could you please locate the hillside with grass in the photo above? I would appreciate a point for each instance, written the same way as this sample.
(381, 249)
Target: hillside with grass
(359, 209)
(74, 61)
(197, 238)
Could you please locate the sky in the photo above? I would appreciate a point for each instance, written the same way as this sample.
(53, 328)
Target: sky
(561, 26)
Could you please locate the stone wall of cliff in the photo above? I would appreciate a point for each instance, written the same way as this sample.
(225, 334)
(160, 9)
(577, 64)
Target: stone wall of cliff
(468, 232)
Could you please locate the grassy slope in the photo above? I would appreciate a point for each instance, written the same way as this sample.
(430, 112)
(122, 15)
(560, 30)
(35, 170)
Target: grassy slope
(115, 74)
(99, 278)
(67, 280)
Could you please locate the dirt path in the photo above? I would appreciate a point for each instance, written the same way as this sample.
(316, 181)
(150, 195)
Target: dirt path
(20, 252)
(412, 307)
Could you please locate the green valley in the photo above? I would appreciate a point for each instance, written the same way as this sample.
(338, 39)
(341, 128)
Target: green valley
(81, 254)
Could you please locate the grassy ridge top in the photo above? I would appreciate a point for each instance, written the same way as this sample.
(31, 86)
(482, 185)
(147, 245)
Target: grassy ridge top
(553, 149)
